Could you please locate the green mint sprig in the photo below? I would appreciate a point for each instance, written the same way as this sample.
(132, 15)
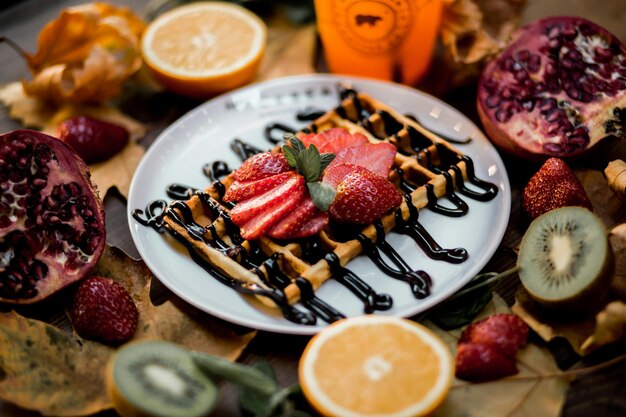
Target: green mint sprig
(309, 163)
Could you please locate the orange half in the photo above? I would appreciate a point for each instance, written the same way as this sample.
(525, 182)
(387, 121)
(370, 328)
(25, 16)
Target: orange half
(203, 49)
(376, 366)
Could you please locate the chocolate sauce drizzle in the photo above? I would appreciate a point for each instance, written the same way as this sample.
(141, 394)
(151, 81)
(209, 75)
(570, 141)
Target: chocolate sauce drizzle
(274, 279)
(441, 135)
(413, 228)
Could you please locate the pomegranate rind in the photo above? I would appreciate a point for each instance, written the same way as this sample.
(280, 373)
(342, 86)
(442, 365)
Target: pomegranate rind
(40, 218)
(586, 96)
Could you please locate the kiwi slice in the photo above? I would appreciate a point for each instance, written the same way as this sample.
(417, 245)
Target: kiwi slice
(160, 379)
(565, 260)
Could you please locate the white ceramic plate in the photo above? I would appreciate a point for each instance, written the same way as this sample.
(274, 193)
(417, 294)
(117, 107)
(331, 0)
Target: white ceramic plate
(204, 135)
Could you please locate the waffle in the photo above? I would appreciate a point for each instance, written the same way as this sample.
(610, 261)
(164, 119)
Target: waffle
(281, 273)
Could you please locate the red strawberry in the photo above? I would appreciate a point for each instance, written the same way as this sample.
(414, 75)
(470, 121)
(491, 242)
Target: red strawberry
(93, 140)
(261, 165)
(104, 311)
(333, 140)
(334, 174)
(264, 203)
(476, 362)
(305, 220)
(242, 190)
(553, 186)
(505, 332)
(363, 197)
(377, 157)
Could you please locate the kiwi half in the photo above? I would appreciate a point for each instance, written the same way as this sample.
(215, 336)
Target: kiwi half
(159, 379)
(565, 260)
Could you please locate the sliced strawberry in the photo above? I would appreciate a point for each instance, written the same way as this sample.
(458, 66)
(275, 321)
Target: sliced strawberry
(261, 165)
(313, 226)
(296, 223)
(505, 332)
(242, 190)
(264, 204)
(377, 157)
(363, 197)
(334, 174)
(258, 225)
(477, 362)
(333, 140)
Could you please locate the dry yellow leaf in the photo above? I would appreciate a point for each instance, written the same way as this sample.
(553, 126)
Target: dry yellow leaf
(117, 171)
(46, 369)
(85, 55)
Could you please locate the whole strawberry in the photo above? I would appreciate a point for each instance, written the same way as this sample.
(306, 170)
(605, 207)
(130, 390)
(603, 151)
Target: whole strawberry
(104, 311)
(486, 349)
(362, 197)
(553, 186)
(93, 140)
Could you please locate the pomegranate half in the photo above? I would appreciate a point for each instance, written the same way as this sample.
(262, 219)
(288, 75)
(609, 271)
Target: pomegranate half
(51, 219)
(558, 89)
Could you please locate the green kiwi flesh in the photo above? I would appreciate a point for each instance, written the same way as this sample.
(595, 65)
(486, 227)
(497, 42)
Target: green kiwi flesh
(565, 259)
(157, 378)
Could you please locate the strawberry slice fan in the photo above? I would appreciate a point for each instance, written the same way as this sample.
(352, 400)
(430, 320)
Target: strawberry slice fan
(257, 230)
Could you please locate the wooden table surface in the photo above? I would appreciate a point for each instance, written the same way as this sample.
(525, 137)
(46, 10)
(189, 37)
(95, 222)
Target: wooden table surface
(601, 393)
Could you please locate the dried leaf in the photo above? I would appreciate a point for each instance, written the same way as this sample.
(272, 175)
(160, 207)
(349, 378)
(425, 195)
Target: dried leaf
(172, 320)
(85, 55)
(538, 389)
(45, 369)
(117, 171)
(610, 327)
(605, 203)
(473, 31)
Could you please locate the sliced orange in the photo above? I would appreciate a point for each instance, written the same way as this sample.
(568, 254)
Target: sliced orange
(202, 49)
(376, 366)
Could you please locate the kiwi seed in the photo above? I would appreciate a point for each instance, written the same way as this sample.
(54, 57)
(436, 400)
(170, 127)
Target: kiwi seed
(159, 379)
(565, 259)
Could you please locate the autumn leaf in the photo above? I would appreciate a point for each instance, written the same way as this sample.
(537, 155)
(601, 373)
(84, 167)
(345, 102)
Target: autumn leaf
(118, 171)
(54, 372)
(85, 55)
(538, 389)
(45, 369)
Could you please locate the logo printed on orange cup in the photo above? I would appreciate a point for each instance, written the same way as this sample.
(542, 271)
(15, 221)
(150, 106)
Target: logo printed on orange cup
(373, 26)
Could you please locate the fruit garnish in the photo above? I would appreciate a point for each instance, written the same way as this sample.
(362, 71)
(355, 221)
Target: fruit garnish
(375, 365)
(506, 332)
(553, 186)
(51, 219)
(157, 378)
(486, 349)
(93, 140)
(335, 173)
(333, 140)
(362, 197)
(85, 55)
(305, 220)
(376, 157)
(204, 48)
(104, 311)
(558, 89)
(242, 190)
(565, 260)
(479, 363)
(260, 166)
(309, 163)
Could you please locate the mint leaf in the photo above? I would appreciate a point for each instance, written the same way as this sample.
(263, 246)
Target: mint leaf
(295, 143)
(325, 160)
(309, 164)
(291, 156)
(321, 194)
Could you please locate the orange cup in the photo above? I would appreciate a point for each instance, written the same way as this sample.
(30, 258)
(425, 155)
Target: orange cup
(385, 39)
